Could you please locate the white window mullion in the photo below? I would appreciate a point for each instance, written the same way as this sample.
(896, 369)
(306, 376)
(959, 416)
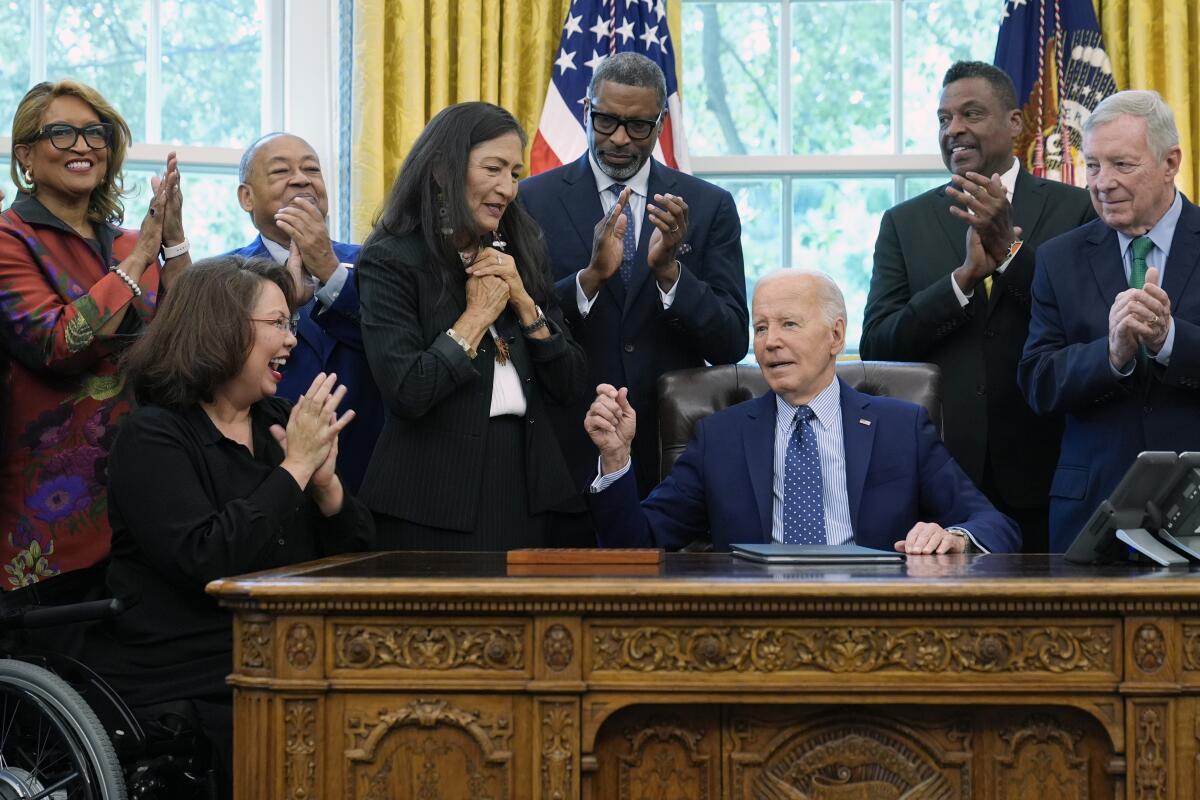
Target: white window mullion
(897, 77)
(273, 71)
(154, 96)
(37, 41)
(785, 78)
(786, 227)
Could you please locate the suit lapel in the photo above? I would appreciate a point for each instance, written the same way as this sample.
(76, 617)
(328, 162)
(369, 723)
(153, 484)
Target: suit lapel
(659, 183)
(1104, 257)
(581, 202)
(1185, 251)
(954, 229)
(1029, 199)
(758, 442)
(857, 441)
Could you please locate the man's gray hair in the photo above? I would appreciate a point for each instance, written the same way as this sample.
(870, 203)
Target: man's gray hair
(828, 295)
(248, 156)
(1161, 133)
(630, 69)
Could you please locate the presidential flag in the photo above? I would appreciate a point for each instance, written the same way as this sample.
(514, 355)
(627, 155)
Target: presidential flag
(594, 30)
(1053, 52)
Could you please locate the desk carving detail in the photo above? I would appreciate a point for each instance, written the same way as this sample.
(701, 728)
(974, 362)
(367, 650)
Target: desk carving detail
(1149, 648)
(429, 648)
(414, 750)
(1041, 760)
(300, 747)
(1191, 647)
(558, 647)
(1052, 649)
(558, 733)
(256, 645)
(301, 646)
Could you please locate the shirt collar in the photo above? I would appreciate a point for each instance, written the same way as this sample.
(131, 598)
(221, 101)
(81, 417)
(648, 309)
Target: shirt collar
(1163, 231)
(275, 250)
(640, 182)
(1009, 178)
(32, 211)
(826, 406)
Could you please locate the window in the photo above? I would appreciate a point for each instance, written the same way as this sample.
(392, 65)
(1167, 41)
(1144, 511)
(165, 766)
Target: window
(818, 116)
(202, 78)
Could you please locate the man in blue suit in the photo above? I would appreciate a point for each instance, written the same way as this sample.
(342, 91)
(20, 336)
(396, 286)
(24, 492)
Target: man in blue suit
(647, 260)
(284, 192)
(1114, 339)
(810, 462)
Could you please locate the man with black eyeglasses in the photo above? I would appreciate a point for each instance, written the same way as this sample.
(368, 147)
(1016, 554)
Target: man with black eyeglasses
(283, 190)
(647, 260)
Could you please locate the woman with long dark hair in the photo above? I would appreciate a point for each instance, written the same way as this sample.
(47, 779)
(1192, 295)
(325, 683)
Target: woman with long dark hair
(468, 346)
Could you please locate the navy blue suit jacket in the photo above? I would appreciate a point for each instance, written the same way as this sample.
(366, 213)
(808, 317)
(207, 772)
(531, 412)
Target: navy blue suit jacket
(628, 338)
(1065, 367)
(331, 341)
(898, 473)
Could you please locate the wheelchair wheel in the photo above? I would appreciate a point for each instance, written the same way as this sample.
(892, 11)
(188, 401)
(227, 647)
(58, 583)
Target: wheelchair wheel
(51, 744)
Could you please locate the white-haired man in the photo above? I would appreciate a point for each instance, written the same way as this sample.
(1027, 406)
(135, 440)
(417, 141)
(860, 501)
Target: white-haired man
(810, 462)
(1114, 339)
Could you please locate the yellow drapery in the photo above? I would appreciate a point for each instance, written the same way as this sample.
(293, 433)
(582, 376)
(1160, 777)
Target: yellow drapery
(413, 58)
(1155, 44)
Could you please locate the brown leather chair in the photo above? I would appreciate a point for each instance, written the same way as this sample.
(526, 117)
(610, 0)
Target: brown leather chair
(686, 396)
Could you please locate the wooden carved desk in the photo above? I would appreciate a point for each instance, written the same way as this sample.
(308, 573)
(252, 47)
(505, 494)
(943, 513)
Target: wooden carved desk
(418, 675)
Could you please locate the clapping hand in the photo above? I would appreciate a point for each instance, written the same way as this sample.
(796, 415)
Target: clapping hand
(309, 442)
(305, 224)
(611, 423)
(988, 211)
(1138, 317)
(669, 216)
(608, 246)
(491, 262)
(172, 221)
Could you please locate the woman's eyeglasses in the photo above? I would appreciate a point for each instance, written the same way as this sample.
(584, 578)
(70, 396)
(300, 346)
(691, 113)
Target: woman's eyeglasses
(281, 324)
(63, 136)
(638, 129)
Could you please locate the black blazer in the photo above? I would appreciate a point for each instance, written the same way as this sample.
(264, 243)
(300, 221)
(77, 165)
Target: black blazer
(913, 314)
(1065, 369)
(629, 338)
(428, 463)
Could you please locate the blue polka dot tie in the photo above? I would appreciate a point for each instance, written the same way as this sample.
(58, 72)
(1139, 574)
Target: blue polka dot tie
(629, 245)
(803, 505)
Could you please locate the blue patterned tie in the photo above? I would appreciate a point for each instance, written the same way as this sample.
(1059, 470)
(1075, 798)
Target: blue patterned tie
(629, 245)
(803, 503)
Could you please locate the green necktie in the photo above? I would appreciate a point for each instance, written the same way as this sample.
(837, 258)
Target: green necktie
(1141, 247)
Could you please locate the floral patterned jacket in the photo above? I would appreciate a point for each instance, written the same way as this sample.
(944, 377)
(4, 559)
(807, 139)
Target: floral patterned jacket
(60, 393)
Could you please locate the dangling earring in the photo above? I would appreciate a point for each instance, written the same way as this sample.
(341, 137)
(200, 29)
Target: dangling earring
(443, 215)
(29, 180)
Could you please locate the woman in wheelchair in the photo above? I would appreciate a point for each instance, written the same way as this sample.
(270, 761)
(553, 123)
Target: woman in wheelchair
(214, 476)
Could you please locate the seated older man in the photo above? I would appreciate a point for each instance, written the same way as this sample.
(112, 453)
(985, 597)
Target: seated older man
(810, 462)
(283, 191)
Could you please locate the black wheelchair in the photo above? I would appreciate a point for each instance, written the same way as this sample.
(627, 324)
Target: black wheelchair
(65, 735)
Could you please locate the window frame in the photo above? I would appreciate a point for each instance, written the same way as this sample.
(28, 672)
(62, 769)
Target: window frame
(299, 68)
(897, 165)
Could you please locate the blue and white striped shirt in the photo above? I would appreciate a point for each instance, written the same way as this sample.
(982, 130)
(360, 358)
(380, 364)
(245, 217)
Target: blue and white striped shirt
(827, 406)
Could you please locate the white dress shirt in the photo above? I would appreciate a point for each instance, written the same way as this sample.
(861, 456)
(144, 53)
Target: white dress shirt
(638, 197)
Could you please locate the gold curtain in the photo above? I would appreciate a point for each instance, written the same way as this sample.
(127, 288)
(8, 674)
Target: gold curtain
(413, 58)
(1155, 44)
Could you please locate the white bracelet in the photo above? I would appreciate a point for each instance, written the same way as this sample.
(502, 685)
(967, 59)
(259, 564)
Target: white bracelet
(130, 282)
(174, 250)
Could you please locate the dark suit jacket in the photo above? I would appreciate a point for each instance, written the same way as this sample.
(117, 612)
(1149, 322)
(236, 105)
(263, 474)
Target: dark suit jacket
(628, 337)
(913, 314)
(1065, 368)
(429, 462)
(330, 340)
(898, 473)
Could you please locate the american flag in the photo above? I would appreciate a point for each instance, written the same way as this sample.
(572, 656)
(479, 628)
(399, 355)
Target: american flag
(593, 30)
(1053, 51)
